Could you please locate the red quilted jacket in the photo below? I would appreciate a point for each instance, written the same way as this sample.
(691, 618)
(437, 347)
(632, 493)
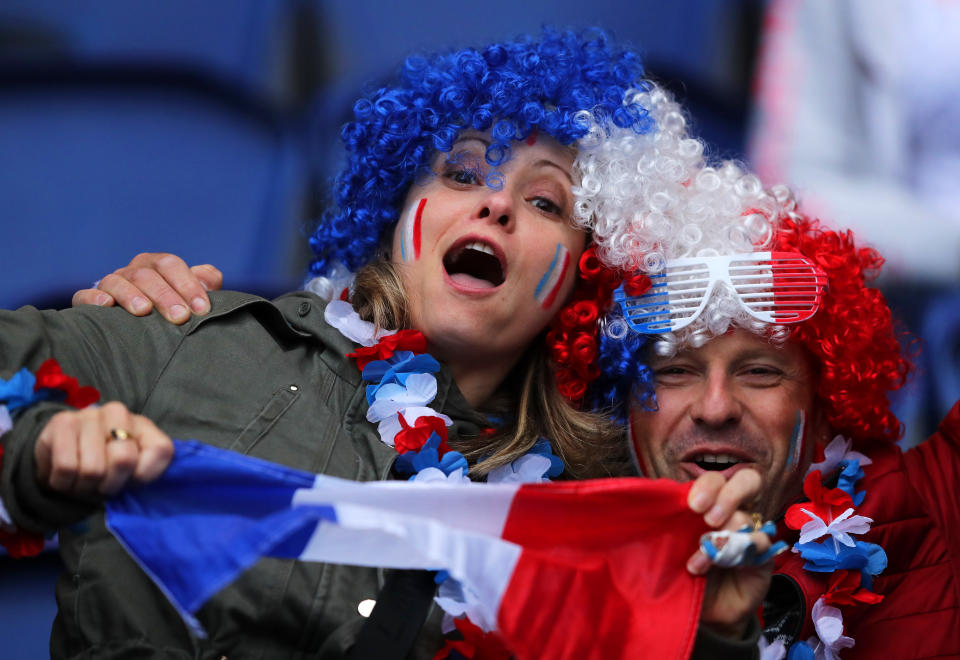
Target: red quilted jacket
(914, 500)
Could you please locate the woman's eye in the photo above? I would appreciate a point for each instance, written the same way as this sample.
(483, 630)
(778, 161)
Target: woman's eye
(463, 177)
(546, 205)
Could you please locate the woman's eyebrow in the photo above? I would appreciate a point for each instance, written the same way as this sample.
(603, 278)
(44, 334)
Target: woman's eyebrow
(547, 162)
(468, 138)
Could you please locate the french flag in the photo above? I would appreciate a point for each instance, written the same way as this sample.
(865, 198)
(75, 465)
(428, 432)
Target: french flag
(589, 569)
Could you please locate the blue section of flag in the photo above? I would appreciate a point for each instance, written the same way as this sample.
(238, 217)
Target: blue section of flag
(209, 517)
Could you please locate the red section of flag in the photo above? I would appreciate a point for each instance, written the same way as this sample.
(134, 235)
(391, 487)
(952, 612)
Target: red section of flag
(602, 574)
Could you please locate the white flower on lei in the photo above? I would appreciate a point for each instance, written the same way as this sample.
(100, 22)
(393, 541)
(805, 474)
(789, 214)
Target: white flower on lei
(389, 427)
(771, 651)
(840, 528)
(6, 522)
(457, 601)
(340, 315)
(6, 423)
(828, 622)
(420, 389)
(434, 475)
(838, 450)
(330, 287)
(528, 469)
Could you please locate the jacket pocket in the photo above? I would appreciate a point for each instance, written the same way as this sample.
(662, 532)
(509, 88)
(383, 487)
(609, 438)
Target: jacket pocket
(279, 403)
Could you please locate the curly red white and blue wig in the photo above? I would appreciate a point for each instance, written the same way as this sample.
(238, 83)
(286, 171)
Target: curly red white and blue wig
(723, 210)
(644, 212)
(560, 84)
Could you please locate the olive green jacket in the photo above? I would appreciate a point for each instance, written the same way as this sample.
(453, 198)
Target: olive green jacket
(269, 379)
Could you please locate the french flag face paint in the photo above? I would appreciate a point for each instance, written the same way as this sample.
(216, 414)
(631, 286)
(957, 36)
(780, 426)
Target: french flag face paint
(410, 232)
(796, 440)
(549, 285)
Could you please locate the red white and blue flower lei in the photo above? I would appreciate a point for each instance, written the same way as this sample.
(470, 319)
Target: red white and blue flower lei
(22, 390)
(828, 522)
(402, 387)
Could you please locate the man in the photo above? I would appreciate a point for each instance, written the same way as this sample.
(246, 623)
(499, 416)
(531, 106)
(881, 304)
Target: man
(772, 354)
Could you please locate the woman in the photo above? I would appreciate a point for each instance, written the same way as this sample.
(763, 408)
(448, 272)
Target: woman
(461, 174)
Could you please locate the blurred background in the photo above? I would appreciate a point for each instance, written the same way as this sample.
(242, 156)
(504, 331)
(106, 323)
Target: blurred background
(210, 129)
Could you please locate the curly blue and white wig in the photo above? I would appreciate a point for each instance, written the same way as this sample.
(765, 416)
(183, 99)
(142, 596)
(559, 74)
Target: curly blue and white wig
(562, 84)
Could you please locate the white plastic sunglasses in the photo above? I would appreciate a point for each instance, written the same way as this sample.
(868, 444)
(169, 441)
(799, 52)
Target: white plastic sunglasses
(773, 287)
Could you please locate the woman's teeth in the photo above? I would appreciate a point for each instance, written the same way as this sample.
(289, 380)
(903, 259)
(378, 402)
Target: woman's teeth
(480, 247)
(475, 264)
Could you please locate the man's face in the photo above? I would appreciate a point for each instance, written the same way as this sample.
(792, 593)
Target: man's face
(734, 403)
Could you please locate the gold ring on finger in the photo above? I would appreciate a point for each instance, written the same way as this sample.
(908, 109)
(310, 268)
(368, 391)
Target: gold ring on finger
(117, 433)
(756, 520)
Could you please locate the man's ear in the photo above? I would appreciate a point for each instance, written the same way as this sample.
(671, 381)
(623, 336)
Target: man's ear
(823, 434)
(819, 430)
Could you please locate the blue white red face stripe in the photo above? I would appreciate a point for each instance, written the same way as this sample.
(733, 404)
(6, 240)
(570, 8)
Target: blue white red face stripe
(410, 235)
(549, 285)
(796, 440)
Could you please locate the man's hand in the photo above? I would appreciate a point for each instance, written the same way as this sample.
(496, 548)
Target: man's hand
(156, 278)
(732, 594)
(97, 450)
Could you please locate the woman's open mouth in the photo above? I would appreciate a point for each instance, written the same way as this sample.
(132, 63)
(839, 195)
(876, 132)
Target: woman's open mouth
(475, 264)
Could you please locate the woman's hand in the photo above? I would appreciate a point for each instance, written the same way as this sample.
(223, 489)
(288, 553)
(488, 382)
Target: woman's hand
(732, 594)
(156, 278)
(97, 450)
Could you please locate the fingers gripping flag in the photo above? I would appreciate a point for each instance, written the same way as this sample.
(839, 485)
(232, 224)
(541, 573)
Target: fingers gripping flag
(590, 569)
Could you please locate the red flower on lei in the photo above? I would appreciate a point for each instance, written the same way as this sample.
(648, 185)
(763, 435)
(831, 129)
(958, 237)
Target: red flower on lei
(21, 543)
(827, 503)
(18, 542)
(475, 645)
(845, 589)
(412, 438)
(403, 340)
(50, 376)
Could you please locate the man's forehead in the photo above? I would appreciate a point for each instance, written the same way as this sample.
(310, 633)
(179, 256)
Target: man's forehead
(740, 345)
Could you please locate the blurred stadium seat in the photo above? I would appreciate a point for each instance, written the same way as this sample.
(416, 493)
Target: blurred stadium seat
(150, 126)
(130, 127)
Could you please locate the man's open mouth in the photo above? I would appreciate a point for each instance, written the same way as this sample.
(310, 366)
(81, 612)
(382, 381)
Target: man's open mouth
(475, 264)
(715, 462)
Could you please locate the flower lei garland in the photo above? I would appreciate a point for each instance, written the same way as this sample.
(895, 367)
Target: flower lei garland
(831, 514)
(402, 385)
(22, 390)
